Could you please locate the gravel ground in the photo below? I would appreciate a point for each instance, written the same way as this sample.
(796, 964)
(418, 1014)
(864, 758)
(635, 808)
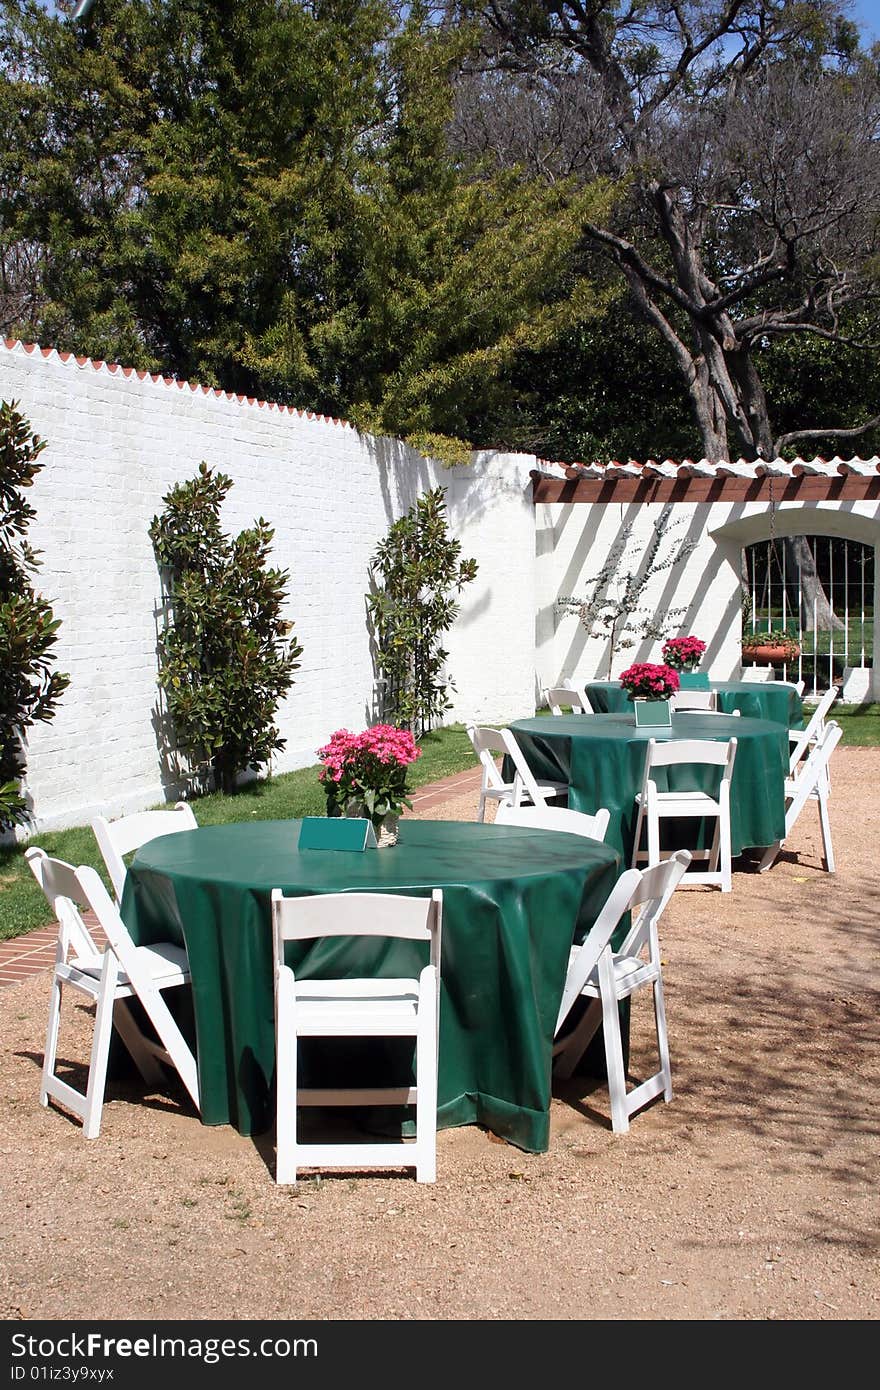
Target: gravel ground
(753, 1195)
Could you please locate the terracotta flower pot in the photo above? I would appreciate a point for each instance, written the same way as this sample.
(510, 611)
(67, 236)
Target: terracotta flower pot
(770, 655)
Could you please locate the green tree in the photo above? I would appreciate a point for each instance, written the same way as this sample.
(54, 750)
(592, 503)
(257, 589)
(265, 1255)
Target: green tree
(29, 688)
(259, 194)
(226, 657)
(741, 135)
(416, 570)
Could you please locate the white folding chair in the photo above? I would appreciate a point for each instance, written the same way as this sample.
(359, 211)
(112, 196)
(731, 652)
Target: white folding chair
(655, 805)
(119, 837)
(759, 674)
(801, 740)
(573, 695)
(604, 977)
(353, 1008)
(694, 699)
(592, 827)
(110, 977)
(810, 782)
(487, 744)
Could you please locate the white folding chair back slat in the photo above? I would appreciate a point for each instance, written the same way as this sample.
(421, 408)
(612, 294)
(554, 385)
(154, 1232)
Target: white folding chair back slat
(603, 977)
(560, 818)
(654, 805)
(693, 699)
(572, 695)
(108, 977)
(370, 1007)
(117, 838)
(488, 744)
(810, 782)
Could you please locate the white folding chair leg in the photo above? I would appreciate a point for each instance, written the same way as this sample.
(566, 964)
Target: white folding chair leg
(51, 1048)
(725, 845)
(100, 1048)
(653, 833)
(771, 854)
(577, 1041)
(662, 1039)
(286, 1082)
(637, 841)
(481, 808)
(614, 1063)
(825, 824)
(426, 1082)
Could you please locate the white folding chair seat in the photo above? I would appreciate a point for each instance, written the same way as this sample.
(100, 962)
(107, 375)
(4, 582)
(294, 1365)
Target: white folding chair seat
(350, 1008)
(573, 695)
(604, 977)
(525, 788)
(560, 818)
(108, 978)
(655, 805)
(810, 782)
(119, 837)
(693, 699)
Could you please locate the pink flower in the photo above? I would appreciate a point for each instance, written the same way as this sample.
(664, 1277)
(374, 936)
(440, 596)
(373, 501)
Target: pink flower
(683, 653)
(647, 679)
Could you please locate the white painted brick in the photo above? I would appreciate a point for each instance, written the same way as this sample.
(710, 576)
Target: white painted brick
(117, 443)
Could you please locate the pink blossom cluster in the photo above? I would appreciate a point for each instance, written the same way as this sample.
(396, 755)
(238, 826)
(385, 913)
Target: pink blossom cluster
(650, 681)
(355, 755)
(683, 653)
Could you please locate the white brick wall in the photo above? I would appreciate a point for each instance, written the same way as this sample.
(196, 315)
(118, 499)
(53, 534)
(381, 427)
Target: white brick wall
(573, 540)
(117, 442)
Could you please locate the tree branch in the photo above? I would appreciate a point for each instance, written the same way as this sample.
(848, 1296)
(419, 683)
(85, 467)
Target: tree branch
(792, 435)
(631, 260)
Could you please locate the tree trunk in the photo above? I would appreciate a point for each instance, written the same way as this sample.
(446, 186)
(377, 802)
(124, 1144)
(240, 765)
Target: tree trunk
(812, 598)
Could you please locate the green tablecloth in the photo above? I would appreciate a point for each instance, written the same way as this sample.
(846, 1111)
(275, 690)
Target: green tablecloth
(514, 899)
(778, 701)
(602, 757)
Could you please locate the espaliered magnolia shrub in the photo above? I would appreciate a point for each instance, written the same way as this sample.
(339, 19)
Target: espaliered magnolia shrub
(416, 570)
(29, 688)
(226, 654)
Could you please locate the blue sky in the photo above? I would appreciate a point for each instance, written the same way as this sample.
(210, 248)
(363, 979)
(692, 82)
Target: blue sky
(867, 13)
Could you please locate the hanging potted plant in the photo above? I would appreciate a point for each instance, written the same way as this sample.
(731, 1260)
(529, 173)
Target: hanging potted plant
(770, 648)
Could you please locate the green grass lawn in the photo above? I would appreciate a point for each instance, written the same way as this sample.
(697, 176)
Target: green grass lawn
(294, 794)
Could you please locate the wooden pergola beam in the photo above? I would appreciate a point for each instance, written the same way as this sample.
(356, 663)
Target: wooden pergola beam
(844, 487)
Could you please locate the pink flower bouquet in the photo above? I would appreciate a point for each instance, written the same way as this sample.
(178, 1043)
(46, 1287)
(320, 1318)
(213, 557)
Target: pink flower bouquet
(683, 653)
(366, 773)
(647, 681)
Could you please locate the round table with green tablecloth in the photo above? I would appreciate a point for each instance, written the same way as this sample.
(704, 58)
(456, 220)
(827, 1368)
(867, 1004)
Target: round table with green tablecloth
(513, 901)
(602, 758)
(774, 700)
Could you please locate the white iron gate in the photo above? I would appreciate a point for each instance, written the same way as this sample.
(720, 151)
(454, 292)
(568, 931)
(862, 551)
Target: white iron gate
(819, 589)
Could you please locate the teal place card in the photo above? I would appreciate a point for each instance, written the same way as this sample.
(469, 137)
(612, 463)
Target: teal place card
(336, 832)
(656, 714)
(693, 680)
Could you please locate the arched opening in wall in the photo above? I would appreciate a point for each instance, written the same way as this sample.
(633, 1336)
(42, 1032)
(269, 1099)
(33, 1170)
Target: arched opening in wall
(819, 589)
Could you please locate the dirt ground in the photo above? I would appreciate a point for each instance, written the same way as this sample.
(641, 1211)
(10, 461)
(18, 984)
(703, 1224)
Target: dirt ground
(753, 1195)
